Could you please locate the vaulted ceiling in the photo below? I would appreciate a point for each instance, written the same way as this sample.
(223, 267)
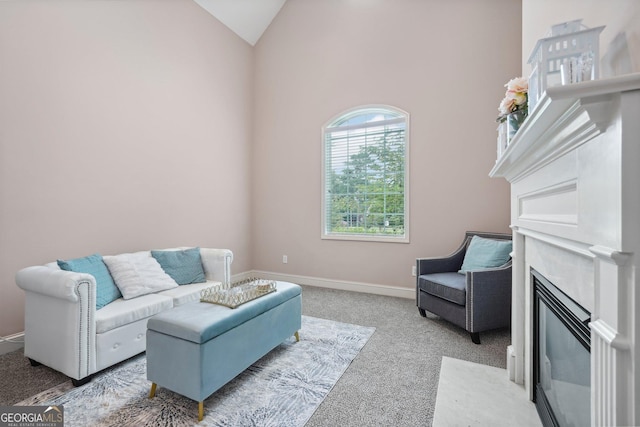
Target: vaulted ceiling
(247, 18)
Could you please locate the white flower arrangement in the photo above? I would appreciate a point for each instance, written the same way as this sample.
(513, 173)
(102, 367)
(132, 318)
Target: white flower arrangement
(515, 99)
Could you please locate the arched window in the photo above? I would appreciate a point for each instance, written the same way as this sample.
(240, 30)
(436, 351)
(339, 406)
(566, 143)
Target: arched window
(365, 156)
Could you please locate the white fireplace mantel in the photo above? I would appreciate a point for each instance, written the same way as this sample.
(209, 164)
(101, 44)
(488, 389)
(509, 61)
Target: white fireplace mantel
(574, 169)
(565, 117)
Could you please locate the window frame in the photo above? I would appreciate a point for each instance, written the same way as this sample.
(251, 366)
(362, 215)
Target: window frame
(324, 234)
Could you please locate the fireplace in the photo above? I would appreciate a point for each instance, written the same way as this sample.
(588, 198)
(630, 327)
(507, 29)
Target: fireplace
(561, 356)
(573, 172)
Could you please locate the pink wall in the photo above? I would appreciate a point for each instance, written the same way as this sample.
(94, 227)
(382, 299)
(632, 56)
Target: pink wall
(124, 125)
(147, 124)
(444, 62)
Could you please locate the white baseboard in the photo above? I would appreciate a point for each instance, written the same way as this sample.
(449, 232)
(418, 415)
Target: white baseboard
(9, 346)
(369, 288)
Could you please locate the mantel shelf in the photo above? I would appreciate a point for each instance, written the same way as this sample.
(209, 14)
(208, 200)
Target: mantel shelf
(564, 118)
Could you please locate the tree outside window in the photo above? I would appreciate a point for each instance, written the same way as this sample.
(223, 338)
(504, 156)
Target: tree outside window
(365, 175)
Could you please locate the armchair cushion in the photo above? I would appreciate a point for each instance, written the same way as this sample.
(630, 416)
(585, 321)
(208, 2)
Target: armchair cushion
(448, 286)
(106, 289)
(485, 253)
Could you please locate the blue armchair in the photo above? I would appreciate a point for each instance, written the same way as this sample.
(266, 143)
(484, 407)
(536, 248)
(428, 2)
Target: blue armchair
(476, 300)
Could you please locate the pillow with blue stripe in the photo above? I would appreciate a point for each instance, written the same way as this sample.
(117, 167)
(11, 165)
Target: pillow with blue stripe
(106, 289)
(184, 266)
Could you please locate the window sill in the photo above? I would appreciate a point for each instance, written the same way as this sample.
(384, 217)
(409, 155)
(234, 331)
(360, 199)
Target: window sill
(365, 238)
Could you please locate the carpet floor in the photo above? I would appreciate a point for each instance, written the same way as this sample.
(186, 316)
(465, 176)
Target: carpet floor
(392, 381)
(283, 388)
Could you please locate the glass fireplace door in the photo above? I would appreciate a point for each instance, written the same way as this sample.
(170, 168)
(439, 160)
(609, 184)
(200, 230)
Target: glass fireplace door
(561, 357)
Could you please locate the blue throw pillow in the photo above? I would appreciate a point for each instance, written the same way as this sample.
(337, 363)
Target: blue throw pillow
(485, 253)
(183, 266)
(106, 289)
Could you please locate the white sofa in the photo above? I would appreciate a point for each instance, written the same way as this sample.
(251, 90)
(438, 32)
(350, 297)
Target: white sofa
(63, 329)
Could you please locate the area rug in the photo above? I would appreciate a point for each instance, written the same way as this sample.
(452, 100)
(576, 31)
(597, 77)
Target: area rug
(284, 388)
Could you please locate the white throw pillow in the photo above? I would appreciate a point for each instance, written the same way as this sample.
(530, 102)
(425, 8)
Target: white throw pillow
(138, 274)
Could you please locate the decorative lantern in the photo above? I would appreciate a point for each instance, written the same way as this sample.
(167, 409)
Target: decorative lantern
(571, 54)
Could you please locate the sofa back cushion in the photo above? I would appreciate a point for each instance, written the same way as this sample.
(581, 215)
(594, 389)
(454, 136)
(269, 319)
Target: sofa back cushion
(106, 289)
(184, 266)
(138, 274)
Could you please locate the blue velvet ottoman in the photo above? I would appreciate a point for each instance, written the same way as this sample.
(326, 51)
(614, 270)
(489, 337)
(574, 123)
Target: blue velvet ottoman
(196, 348)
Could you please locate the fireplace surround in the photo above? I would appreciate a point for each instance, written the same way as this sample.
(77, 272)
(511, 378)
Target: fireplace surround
(573, 170)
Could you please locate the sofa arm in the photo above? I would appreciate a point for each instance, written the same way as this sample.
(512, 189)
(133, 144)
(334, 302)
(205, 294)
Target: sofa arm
(60, 309)
(54, 283)
(217, 264)
(489, 298)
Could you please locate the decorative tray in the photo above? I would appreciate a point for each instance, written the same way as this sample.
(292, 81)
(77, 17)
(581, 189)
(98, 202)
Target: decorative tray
(237, 293)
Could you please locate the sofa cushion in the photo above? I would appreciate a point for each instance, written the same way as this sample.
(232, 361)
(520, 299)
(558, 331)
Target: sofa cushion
(485, 253)
(122, 312)
(448, 286)
(138, 274)
(184, 266)
(106, 289)
(187, 293)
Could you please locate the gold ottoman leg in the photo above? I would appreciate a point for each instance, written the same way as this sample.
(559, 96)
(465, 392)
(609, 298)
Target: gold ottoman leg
(297, 336)
(200, 411)
(153, 390)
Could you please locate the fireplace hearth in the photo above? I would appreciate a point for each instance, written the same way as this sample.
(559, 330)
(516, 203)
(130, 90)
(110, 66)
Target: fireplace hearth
(561, 356)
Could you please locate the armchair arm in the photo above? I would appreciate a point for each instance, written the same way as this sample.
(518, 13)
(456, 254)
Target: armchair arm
(488, 298)
(449, 263)
(60, 308)
(217, 264)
